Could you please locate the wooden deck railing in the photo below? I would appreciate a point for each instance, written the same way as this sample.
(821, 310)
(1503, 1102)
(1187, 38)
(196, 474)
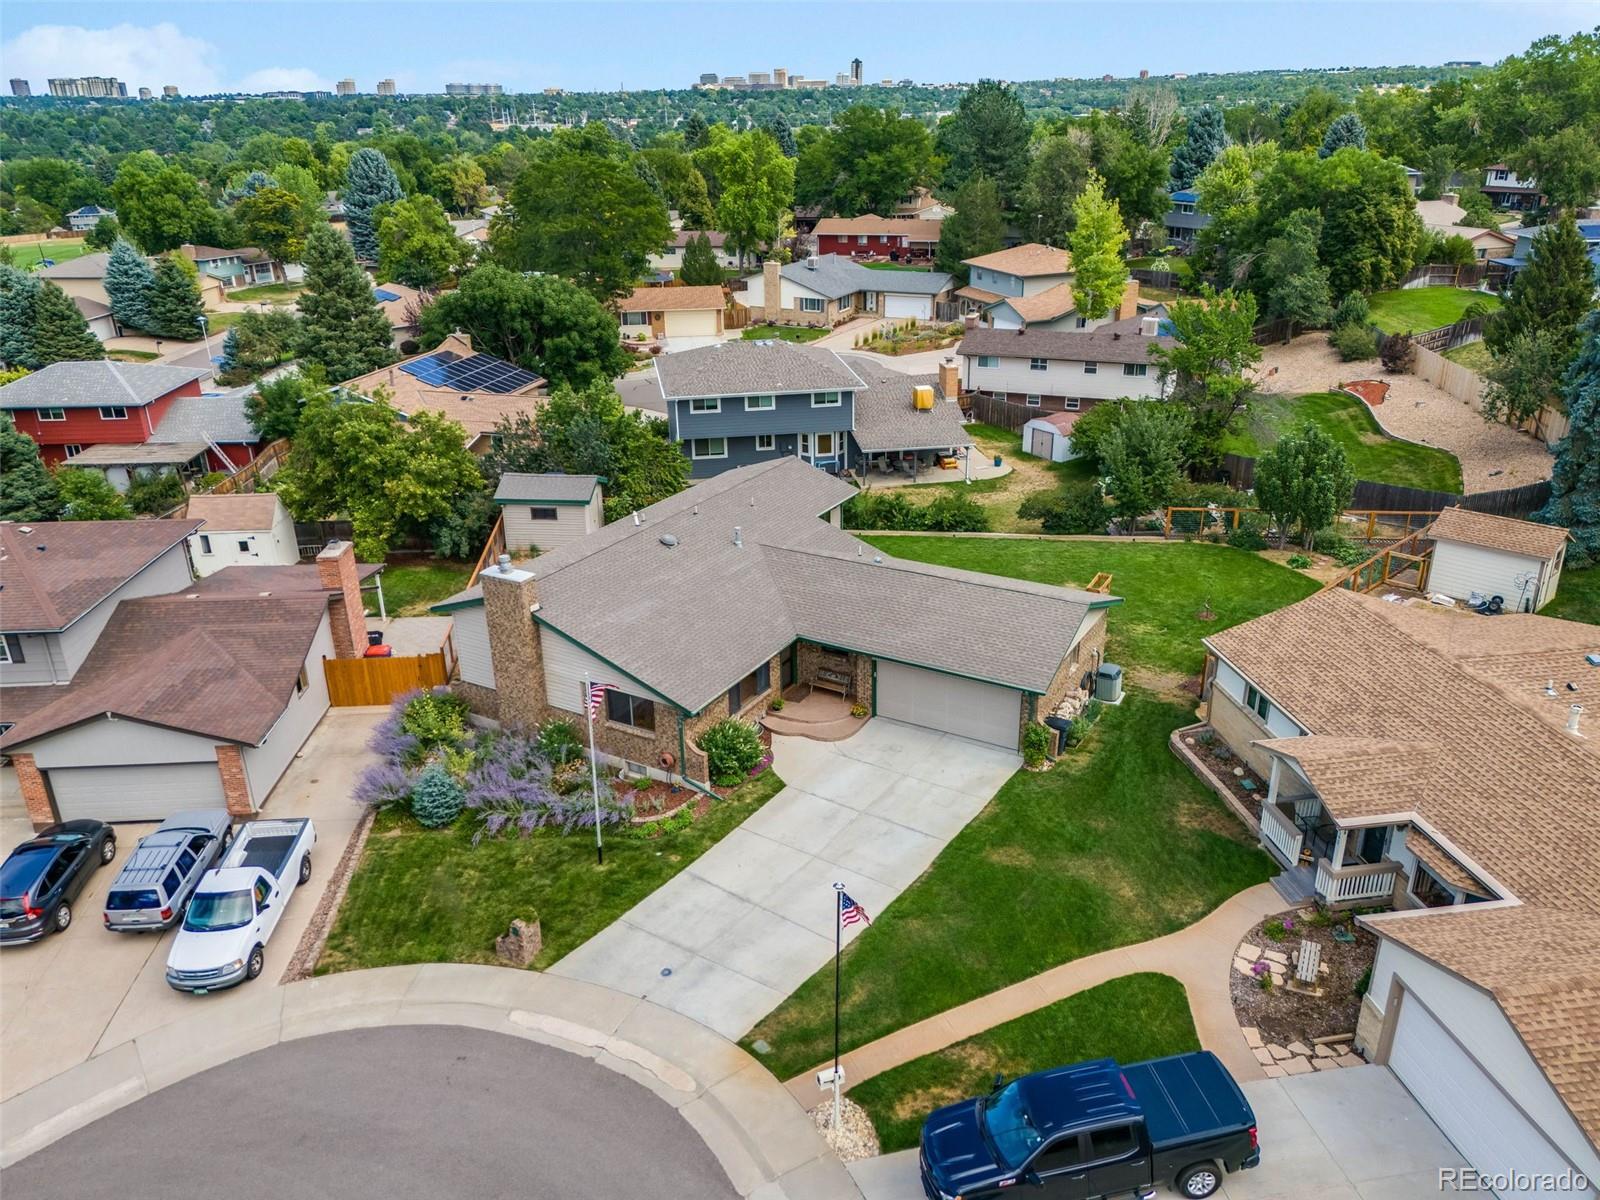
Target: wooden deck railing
(1355, 883)
(1278, 831)
(263, 466)
(494, 546)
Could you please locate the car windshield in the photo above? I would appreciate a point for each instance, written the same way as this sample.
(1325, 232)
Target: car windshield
(219, 910)
(1009, 1125)
(128, 899)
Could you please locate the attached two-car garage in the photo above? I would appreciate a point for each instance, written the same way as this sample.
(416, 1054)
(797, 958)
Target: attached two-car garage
(149, 792)
(984, 712)
(920, 307)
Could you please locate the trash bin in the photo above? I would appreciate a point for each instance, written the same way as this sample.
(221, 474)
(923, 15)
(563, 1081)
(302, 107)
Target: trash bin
(997, 460)
(1108, 684)
(1060, 727)
(374, 637)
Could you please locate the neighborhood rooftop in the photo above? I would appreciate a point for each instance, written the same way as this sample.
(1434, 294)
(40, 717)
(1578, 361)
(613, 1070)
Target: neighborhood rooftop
(95, 384)
(1033, 258)
(887, 419)
(214, 417)
(1526, 538)
(52, 572)
(745, 368)
(1119, 341)
(236, 510)
(833, 276)
(916, 228)
(552, 487)
(672, 299)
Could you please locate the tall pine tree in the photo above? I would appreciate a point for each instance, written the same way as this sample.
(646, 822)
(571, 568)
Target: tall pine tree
(1207, 138)
(1346, 130)
(778, 126)
(700, 265)
(342, 329)
(19, 300)
(27, 491)
(1551, 293)
(129, 282)
(1575, 477)
(369, 182)
(60, 334)
(175, 307)
(696, 133)
(976, 227)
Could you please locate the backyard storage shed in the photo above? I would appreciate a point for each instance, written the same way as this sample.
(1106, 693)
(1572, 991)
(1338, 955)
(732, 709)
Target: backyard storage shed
(1050, 436)
(1496, 556)
(551, 510)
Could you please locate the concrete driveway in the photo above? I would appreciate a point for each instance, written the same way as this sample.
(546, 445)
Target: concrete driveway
(743, 926)
(73, 994)
(1354, 1134)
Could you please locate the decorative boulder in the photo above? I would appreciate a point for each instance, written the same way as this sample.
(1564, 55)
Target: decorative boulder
(521, 945)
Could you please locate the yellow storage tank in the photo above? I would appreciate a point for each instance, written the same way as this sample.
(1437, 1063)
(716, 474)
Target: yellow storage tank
(922, 396)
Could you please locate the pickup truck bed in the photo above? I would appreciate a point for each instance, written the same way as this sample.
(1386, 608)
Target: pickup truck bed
(1187, 1099)
(267, 845)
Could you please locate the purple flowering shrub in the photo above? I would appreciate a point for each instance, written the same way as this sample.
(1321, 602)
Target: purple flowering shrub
(385, 785)
(513, 786)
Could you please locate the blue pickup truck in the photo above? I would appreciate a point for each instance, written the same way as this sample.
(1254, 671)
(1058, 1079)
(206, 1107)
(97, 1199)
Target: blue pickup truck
(1094, 1131)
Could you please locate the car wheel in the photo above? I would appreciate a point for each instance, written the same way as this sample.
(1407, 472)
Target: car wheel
(1199, 1181)
(305, 868)
(258, 960)
(108, 850)
(63, 916)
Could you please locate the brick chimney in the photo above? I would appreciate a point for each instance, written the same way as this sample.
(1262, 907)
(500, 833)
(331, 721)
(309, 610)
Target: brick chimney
(771, 289)
(949, 379)
(509, 597)
(1128, 306)
(336, 569)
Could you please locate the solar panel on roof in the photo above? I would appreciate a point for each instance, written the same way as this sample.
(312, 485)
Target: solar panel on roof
(477, 373)
(384, 294)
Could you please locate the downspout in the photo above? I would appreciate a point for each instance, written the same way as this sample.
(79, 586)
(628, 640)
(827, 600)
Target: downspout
(683, 763)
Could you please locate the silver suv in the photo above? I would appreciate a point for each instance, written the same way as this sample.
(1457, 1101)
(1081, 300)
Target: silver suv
(154, 885)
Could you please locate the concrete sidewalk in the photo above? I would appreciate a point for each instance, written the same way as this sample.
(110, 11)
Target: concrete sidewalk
(731, 936)
(1199, 956)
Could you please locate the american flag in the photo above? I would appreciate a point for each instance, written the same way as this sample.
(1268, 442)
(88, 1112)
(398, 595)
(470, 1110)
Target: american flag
(597, 695)
(851, 913)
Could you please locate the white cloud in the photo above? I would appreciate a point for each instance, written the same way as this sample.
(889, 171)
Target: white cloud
(284, 79)
(141, 56)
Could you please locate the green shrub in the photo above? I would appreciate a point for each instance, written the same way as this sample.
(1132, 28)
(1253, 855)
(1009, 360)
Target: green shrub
(1035, 745)
(437, 799)
(1091, 428)
(1363, 983)
(1351, 555)
(1251, 533)
(1354, 343)
(1298, 561)
(1352, 310)
(888, 510)
(153, 493)
(209, 480)
(733, 748)
(776, 704)
(437, 718)
(559, 741)
(1080, 508)
(954, 513)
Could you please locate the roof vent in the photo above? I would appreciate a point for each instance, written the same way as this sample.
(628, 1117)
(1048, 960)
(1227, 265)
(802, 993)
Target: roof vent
(1573, 715)
(695, 511)
(668, 540)
(738, 536)
(1550, 689)
(811, 262)
(504, 562)
(24, 528)
(636, 521)
(1116, 337)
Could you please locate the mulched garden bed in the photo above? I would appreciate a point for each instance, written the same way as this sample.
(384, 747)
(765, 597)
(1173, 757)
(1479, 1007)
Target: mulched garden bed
(659, 800)
(1283, 1015)
(1370, 390)
(1223, 762)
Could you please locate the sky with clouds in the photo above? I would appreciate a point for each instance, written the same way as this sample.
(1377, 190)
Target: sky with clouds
(206, 46)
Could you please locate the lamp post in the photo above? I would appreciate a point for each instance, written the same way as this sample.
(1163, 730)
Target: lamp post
(205, 333)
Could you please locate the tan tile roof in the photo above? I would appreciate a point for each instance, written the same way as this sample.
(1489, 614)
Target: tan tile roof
(1043, 306)
(918, 229)
(52, 572)
(673, 299)
(1527, 538)
(1030, 259)
(241, 510)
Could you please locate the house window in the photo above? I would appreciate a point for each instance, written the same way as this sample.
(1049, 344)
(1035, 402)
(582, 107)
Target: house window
(1034, 401)
(623, 709)
(988, 360)
(846, 303)
(708, 448)
(766, 441)
(244, 546)
(704, 404)
(636, 318)
(1500, 176)
(52, 414)
(1134, 368)
(1083, 323)
(861, 239)
(541, 513)
(1070, 404)
(748, 688)
(11, 649)
(114, 412)
(825, 400)
(1425, 886)
(760, 403)
(1091, 368)
(812, 304)
(205, 543)
(72, 449)
(1037, 364)
(1256, 702)
(301, 681)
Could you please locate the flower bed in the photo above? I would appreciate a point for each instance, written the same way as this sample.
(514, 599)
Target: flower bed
(1372, 391)
(1229, 769)
(1278, 1011)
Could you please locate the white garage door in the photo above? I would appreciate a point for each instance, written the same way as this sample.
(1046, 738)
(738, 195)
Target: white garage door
(1487, 1128)
(984, 712)
(147, 793)
(920, 307)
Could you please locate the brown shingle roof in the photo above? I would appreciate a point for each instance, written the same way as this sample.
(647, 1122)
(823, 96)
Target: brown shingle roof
(1033, 258)
(979, 294)
(1527, 538)
(80, 564)
(241, 510)
(1043, 306)
(672, 299)
(477, 412)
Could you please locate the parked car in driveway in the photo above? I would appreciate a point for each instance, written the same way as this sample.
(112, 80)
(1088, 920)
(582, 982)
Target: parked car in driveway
(153, 887)
(44, 875)
(1094, 1131)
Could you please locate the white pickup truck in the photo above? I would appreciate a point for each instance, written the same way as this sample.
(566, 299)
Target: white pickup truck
(238, 904)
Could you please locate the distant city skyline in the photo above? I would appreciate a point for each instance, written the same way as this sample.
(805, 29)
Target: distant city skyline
(209, 47)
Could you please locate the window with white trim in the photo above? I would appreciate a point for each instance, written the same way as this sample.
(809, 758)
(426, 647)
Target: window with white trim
(760, 403)
(705, 404)
(113, 412)
(1037, 364)
(51, 414)
(861, 239)
(708, 448)
(636, 318)
(1256, 702)
(825, 400)
(1091, 368)
(1070, 404)
(72, 448)
(1139, 369)
(766, 441)
(988, 360)
(636, 711)
(1083, 322)
(813, 304)
(1034, 401)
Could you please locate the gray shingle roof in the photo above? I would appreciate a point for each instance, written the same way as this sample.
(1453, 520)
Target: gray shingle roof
(125, 454)
(219, 417)
(92, 384)
(887, 420)
(553, 487)
(835, 276)
(85, 266)
(743, 368)
(1118, 342)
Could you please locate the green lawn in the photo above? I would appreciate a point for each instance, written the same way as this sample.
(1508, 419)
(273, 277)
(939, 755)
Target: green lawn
(1472, 355)
(268, 292)
(1577, 596)
(1115, 844)
(132, 355)
(1163, 586)
(1174, 264)
(892, 266)
(408, 591)
(1000, 496)
(27, 255)
(432, 896)
(1416, 309)
(788, 333)
(1373, 454)
(1129, 1019)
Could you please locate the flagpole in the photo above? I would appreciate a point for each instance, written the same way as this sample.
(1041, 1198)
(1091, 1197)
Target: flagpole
(838, 944)
(594, 769)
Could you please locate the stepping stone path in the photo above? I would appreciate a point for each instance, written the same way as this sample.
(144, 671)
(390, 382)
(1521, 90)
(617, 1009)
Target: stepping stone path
(1298, 1057)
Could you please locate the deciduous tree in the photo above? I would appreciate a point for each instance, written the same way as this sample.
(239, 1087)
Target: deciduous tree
(1524, 377)
(417, 245)
(1099, 270)
(1295, 282)
(866, 162)
(88, 496)
(1303, 481)
(1205, 369)
(1056, 175)
(275, 220)
(1141, 455)
(757, 187)
(159, 204)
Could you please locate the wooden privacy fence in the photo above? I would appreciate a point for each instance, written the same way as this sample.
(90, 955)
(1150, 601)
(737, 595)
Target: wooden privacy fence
(1550, 425)
(1240, 473)
(1445, 275)
(1160, 279)
(353, 682)
(992, 410)
(263, 466)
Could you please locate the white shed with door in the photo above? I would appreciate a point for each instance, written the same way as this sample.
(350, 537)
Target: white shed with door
(1519, 561)
(970, 708)
(543, 512)
(1050, 436)
(902, 306)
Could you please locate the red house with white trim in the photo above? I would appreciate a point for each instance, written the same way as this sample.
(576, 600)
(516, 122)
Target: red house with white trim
(898, 239)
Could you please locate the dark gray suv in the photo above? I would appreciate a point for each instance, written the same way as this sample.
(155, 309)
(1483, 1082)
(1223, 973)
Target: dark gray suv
(154, 885)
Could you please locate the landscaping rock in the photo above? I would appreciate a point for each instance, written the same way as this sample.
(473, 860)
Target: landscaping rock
(1324, 1052)
(1277, 956)
(1246, 950)
(855, 1138)
(1324, 1064)
(1272, 1072)
(521, 945)
(1297, 1066)
(1252, 1037)
(1242, 965)
(1350, 1060)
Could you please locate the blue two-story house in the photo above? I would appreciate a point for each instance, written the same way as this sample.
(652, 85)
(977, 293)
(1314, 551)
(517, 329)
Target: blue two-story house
(1526, 246)
(731, 404)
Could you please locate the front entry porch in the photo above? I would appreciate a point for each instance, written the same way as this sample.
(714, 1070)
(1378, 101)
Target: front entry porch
(823, 690)
(1339, 867)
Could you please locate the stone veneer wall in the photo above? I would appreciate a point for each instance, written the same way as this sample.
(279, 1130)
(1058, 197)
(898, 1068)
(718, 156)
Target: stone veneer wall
(811, 658)
(481, 701)
(1086, 656)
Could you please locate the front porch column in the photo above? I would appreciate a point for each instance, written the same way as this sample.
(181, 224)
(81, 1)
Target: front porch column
(1338, 847)
(1272, 779)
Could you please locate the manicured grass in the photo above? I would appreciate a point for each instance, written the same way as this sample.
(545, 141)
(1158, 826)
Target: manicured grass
(1472, 355)
(1173, 264)
(1130, 1019)
(27, 255)
(1577, 597)
(788, 333)
(424, 895)
(1373, 454)
(1162, 586)
(892, 266)
(132, 355)
(268, 292)
(408, 591)
(1115, 844)
(1416, 309)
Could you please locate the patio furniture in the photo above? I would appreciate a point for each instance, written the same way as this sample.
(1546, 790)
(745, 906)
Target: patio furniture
(1307, 960)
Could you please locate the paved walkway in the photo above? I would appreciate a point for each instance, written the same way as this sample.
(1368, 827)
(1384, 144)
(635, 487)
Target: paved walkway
(1199, 956)
(732, 935)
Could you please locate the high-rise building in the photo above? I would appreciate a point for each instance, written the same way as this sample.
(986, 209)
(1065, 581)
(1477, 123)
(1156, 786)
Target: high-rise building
(1144, 74)
(780, 77)
(19, 87)
(345, 87)
(842, 79)
(170, 91)
(385, 87)
(144, 93)
(708, 77)
(473, 89)
(855, 71)
(760, 78)
(92, 86)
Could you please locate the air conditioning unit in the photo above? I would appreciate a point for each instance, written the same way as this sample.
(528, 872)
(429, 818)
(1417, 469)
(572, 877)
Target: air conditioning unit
(1108, 684)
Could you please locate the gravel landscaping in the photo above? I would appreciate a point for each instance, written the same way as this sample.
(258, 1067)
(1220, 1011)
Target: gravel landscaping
(1415, 410)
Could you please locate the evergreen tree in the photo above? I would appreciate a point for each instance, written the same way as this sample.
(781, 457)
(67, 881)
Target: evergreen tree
(696, 133)
(976, 227)
(700, 264)
(778, 126)
(1099, 271)
(27, 491)
(129, 282)
(369, 182)
(1575, 477)
(1551, 293)
(988, 135)
(175, 307)
(1346, 130)
(1206, 139)
(1296, 282)
(60, 334)
(342, 329)
(230, 351)
(19, 298)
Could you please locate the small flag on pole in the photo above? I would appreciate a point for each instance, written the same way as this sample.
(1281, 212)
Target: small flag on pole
(851, 913)
(597, 695)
